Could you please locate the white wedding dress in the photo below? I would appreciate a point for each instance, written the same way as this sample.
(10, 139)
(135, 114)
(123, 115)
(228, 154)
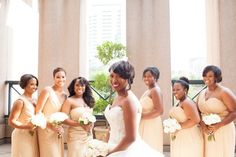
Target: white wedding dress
(139, 148)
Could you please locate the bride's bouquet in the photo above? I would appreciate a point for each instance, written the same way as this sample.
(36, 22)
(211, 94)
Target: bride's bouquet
(96, 148)
(171, 125)
(56, 120)
(38, 120)
(210, 119)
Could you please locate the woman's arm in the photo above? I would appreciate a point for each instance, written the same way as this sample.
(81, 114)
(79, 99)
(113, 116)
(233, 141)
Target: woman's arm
(190, 110)
(129, 113)
(14, 115)
(156, 97)
(66, 108)
(229, 99)
(42, 100)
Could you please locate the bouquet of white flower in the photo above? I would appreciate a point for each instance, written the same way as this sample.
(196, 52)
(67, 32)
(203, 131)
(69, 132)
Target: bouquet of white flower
(210, 119)
(171, 125)
(86, 118)
(96, 148)
(56, 120)
(38, 120)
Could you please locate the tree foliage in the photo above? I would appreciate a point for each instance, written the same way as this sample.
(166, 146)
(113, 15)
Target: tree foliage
(110, 50)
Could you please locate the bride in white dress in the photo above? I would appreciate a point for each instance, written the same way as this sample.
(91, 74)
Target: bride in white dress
(124, 116)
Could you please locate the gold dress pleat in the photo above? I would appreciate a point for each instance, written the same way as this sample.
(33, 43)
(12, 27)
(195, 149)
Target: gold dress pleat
(224, 143)
(151, 130)
(49, 143)
(77, 136)
(23, 143)
(189, 141)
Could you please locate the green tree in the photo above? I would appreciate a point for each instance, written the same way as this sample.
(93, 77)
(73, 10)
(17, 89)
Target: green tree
(107, 51)
(110, 50)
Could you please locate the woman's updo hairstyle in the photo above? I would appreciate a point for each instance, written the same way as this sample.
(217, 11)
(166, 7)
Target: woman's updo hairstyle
(24, 80)
(154, 71)
(215, 70)
(124, 69)
(184, 82)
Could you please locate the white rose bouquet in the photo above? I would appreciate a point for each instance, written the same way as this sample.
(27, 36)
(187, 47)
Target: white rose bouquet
(210, 119)
(96, 148)
(86, 118)
(38, 120)
(171, 125)
(56, 120)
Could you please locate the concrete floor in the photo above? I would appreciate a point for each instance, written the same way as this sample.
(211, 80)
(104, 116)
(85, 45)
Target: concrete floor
(5, 151)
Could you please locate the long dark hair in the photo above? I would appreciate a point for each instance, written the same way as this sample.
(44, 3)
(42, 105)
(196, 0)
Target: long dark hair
(87, 95)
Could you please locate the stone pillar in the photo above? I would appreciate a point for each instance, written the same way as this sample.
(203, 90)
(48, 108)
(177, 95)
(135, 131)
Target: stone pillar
(59, 44)
(223, 22)
(3, 63)
(227, 16)
(148, 44)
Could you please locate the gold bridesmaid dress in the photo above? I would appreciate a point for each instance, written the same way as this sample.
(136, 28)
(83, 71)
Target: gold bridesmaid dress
(49, 143)
(151, 130)
(189, 141)
(224, 143)
(23, 143)
(77, 137)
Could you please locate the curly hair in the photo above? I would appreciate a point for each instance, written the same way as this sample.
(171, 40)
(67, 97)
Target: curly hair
(87, 95)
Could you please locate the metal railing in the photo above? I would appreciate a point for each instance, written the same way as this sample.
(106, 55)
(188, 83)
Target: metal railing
(13, 84)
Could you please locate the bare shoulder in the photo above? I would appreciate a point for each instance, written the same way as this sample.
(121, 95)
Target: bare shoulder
(226, 92)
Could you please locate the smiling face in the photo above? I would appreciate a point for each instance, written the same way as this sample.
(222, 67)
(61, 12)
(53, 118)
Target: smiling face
(179, 91)
(209, 79)
(31, 86)
(60, 78)
(117, 82)
(149, 79)
(78, 88)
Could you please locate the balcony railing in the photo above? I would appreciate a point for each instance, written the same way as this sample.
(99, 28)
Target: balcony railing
(196, 86)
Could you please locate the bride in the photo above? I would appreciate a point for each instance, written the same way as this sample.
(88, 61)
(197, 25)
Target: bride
(124, 116)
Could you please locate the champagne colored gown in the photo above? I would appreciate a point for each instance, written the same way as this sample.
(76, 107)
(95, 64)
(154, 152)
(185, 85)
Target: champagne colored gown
(138, 148)
(49, 143)
(151, 130)
(189, 141)
(77, 136)
(224, 143)
(23, 143)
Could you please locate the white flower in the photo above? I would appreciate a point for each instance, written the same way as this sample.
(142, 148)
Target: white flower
(39, 120)
(171, 125)
(87, 117)
(57, 118)
(211, 119)
(96, 148)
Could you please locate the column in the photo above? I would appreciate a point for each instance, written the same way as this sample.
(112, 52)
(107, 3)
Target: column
(59, 34)
(222, 38)
(148, 44)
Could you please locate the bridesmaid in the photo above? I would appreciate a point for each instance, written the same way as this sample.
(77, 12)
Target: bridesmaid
(151, 129)
(50, 101)
(23, 142)
(80, 100)
(220, 100)
(188, 141)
